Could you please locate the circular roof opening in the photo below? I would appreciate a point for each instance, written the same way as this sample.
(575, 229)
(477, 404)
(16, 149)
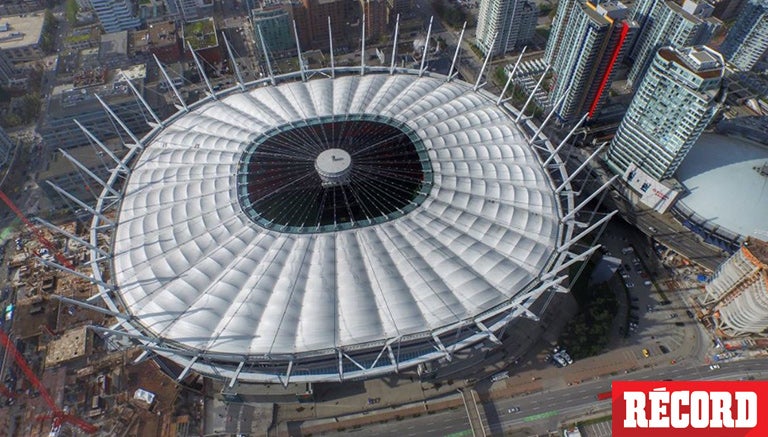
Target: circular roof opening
(333, 173)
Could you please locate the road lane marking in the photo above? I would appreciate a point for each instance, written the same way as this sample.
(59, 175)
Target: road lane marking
(540, 416)
(465, 433)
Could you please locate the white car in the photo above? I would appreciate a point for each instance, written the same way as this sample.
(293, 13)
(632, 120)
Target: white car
(714, 366)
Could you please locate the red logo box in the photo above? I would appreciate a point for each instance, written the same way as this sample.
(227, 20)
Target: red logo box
(690, 408)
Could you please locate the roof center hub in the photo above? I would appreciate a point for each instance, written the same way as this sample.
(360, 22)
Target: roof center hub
(333, 166)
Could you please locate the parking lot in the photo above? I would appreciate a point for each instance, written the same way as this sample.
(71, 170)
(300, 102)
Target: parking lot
(601, 429)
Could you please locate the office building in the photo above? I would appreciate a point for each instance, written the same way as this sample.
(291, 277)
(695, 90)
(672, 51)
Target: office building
(376, 13)
(21, 36)
(116, 15)
(276, 24)
(202, 37)
(589, 42)
(678, 97)
(189, 10)
(77, 101)
(6, 147)
(737, 293)
(402, 7)
(312, 21)
(186, 9)
(727, 10)
(747, 41)
(669, 24)
(65, 175)
(160, 39)
(9, 76)
(512, 22)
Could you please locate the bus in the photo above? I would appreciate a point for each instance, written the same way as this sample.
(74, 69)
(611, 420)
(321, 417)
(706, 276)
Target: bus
(604, 395)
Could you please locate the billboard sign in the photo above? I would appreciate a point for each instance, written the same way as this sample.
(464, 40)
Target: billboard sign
(652, 192)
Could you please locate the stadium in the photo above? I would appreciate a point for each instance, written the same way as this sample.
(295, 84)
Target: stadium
(333, 224)
(724, 200)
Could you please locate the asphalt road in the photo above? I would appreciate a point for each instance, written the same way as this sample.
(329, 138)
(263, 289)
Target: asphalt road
(550, 407)
(674, 235)
(581, 399)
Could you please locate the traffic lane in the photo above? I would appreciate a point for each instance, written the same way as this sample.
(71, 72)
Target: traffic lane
(557, 403)
(539, 406)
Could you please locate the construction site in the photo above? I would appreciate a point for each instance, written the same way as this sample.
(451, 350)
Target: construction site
(58, 376)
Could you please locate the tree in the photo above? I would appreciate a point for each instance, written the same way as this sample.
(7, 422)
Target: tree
(71, 9)
(48, 43)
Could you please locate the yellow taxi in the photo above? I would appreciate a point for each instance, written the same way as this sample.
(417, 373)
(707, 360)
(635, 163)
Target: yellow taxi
(646, 353)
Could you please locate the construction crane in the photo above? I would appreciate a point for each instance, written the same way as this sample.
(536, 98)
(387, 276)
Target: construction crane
(59, 416)
(32, 228)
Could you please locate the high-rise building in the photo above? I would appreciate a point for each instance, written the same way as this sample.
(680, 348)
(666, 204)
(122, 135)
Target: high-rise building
(512, 22)
(726, 10)
(677, 98)
(559, 24)
(376, 14)
(400, 6)
(737, 293)
(190, 10)
(312, 21)
(6, 147)
(747, 40)
(186, 9)
(116, 15)
(666, 23)
(586, 45)
(276, 25)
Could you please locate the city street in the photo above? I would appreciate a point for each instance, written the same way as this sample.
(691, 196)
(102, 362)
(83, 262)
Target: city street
(547, 410)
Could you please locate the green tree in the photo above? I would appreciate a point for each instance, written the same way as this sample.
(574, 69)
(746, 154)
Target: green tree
(48, 40)
(71, 9)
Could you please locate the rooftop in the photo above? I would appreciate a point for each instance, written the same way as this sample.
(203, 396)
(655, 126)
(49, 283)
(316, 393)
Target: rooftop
(162, 33)
(613, 9)
(114, 44)
(72, 97)
(724, 184)
(71, 345)
(201, 34)
(21, 31)
(700, 60)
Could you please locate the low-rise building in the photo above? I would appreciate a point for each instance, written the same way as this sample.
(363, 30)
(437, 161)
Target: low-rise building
(21, 36)
(160, 39)
(201, 36)
(114, 48)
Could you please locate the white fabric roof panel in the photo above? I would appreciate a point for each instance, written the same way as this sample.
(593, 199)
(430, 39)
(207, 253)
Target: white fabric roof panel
(192, 266)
